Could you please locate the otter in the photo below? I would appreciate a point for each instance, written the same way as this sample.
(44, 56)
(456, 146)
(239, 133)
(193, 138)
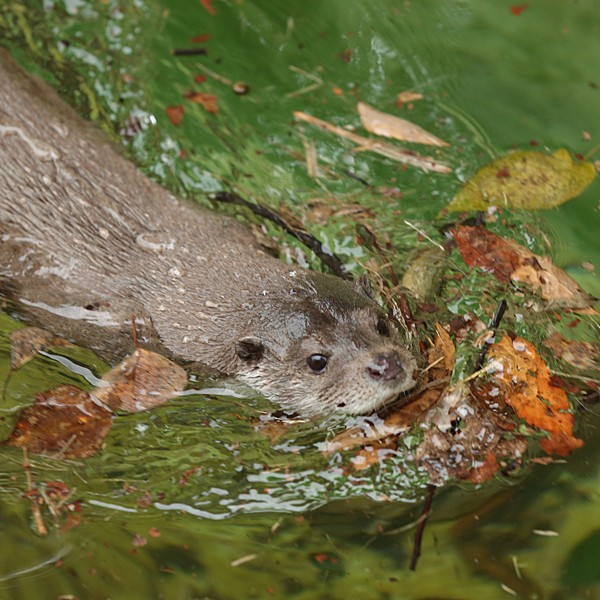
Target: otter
(87, 242)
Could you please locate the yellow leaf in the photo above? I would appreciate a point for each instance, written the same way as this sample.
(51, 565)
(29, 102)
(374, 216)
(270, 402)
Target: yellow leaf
(529, 180)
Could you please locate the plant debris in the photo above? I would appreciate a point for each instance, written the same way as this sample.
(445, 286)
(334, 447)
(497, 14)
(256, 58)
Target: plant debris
(523, 381)
(396, 153)
(69, 422)
(175, 114)
(581, 355)
(208, 101)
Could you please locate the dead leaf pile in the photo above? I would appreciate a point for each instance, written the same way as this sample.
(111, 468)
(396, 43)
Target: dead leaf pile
(508, 261)
(470, 429)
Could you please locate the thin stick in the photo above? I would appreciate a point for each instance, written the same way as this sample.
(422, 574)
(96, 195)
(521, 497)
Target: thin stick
(332, 261)
(494, 324)
(401, 155)
(421, 527)
(35, 507)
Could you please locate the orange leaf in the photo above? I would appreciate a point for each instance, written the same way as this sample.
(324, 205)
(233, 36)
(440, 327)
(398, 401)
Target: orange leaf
(530, 392)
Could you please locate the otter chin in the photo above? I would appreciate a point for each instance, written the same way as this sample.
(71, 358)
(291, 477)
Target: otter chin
(87, 243)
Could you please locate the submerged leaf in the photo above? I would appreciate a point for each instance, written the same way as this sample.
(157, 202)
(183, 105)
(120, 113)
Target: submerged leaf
(27, 342)
(581, 355)
(394, 127)
(527, 179)
(140, 382)
(64, 421)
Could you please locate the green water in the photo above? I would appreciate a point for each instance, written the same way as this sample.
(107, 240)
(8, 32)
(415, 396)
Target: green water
(195, 471)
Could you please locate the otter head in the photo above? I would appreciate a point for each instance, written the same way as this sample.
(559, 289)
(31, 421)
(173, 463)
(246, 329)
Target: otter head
(326, 348)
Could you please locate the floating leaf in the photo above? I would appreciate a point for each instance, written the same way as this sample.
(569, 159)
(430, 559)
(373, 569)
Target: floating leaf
(208, 101)
(175, 114)
(508, 261)
(27, 342)
(64, 421)
(525, 383)
(389, 126)
(407, 96)
(140, 382)
(528, 179)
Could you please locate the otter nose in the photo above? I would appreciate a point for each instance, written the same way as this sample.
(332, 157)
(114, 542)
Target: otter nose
(385, 366)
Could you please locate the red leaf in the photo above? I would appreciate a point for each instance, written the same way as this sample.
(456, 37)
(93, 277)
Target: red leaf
(208, 7)
(175, 114)
(518, 9)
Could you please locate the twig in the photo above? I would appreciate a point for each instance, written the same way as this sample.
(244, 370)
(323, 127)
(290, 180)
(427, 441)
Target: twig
(330, 260)
(401, 303)
(421, 527)
(188, 51)
(318, 82)
(423, 234)
(494, 323)
(214, 75)
(396, 153)
(32, 492)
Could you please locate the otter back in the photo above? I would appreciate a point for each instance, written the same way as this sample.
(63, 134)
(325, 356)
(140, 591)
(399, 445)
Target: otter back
(87, 242)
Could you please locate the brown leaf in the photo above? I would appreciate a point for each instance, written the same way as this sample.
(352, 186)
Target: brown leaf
(508, 261)
(407, 96)
(27, 342)
(464, 440)
(175, 114)
(581, 355)
(208, 101)
(527, 385)
(140, 382)
(64, 421)
(389, 126)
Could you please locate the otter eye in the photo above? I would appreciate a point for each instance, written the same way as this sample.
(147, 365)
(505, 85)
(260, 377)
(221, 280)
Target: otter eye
(382, 327)
(317, 362)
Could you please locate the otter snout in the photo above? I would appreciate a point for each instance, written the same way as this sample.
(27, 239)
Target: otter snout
(385, 367)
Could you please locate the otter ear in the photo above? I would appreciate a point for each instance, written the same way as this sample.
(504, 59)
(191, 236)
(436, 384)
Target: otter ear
(363, 286)
(249, 349)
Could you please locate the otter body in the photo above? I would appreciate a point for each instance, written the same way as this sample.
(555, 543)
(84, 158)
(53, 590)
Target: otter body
(87, 243)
